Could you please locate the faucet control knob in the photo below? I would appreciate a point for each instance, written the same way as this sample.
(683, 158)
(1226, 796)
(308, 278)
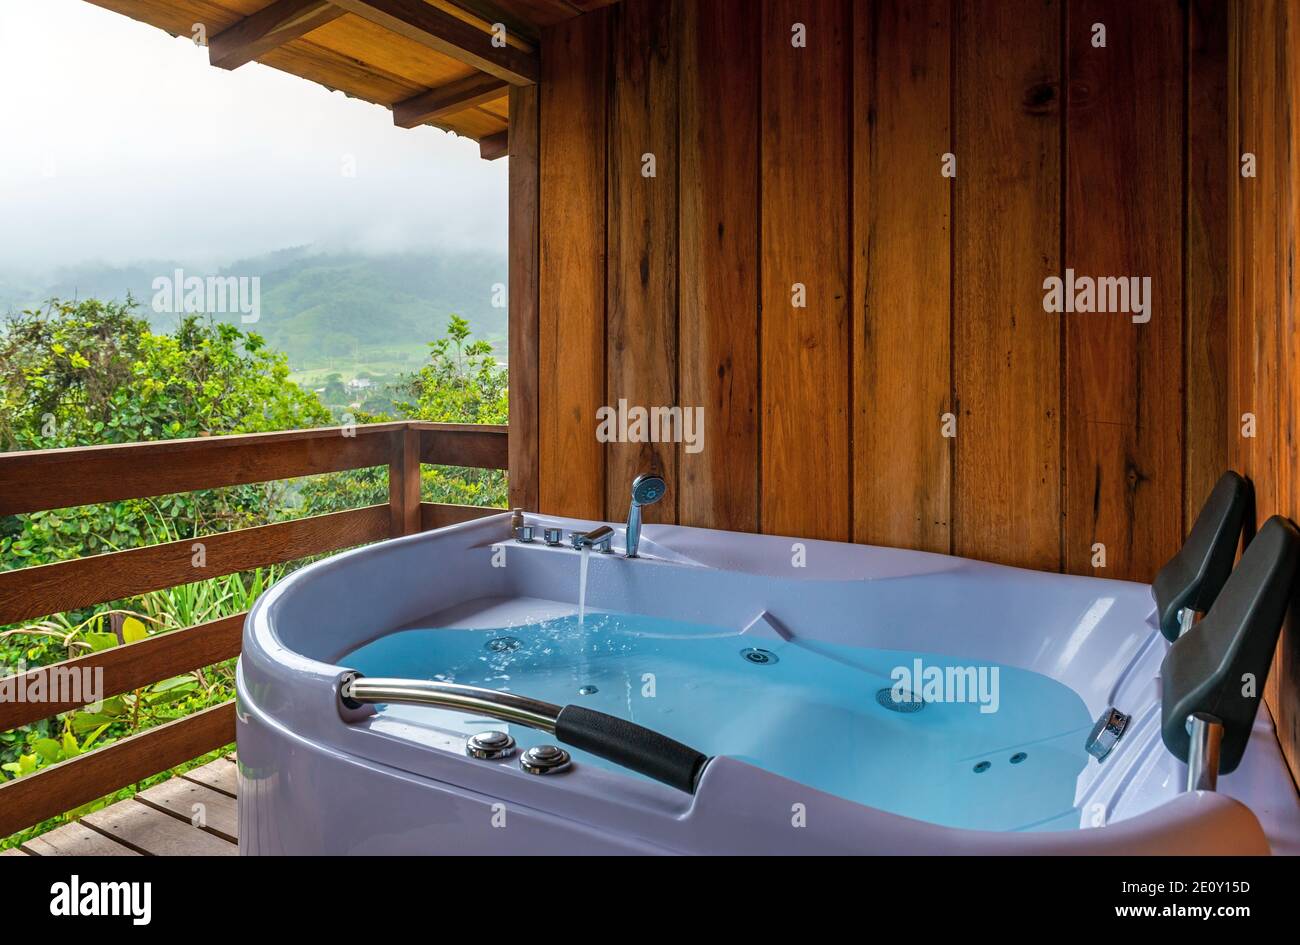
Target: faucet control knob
(524, 534)
(553, 536)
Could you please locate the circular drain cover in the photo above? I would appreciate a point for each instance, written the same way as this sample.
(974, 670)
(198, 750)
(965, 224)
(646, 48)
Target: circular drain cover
(502, 644)
(907, 704)
(759, 657)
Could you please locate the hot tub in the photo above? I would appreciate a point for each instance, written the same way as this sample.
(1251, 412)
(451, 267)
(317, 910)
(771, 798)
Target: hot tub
(814, 697)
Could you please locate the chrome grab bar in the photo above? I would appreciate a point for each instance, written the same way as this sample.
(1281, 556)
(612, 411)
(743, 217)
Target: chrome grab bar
(357, 690)
(1203, 753)
(1205, 730)
(607, 736)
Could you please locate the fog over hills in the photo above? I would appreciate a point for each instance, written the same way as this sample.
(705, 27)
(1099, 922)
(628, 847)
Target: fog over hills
(324, 309)
(171, 164)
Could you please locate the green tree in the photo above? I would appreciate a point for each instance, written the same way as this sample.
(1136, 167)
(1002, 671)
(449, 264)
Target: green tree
(92, 372)
(461, 383)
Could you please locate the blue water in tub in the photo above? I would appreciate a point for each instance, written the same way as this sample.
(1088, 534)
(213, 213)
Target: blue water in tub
(809, 713)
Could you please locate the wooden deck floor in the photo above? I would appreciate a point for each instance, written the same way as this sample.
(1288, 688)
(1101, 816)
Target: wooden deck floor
(190, 815)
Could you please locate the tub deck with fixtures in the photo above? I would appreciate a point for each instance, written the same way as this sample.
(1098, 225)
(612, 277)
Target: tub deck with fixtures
(367, 672)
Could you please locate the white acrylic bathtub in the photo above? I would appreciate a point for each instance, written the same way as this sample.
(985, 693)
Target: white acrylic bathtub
(320, 779)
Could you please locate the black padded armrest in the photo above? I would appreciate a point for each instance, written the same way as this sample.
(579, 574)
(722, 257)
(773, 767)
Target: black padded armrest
(1194, 576)
(631, 745)
(1221, 664)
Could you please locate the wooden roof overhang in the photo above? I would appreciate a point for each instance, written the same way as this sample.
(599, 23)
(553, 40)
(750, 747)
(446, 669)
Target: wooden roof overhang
(433, 62)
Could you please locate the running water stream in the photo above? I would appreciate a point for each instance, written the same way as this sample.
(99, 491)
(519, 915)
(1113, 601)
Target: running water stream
(582, 585)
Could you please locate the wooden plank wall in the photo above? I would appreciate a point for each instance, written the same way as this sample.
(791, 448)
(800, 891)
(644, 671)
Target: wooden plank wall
(571, 270)
(799, 267)
(1006, 239)
(718, 336)
(1209, 175)
(1124, 457)
(641, 227)
(1264, 362)
(805, 442)
(902, 215)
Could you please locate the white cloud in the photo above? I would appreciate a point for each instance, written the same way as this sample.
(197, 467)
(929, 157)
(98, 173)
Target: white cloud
(120, 143)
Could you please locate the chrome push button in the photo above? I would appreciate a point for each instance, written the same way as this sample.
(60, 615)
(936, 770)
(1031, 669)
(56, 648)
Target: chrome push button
(490, 745)
(544, 759)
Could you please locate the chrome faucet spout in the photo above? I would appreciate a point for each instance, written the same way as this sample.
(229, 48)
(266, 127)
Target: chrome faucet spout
(647, 489)
(598, 538)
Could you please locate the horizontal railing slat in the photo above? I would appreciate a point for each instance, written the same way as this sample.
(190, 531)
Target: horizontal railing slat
(40, 480)
(124, 668)
(55, 588)
(479, 445)
(69, 784)
(437, 514)
(36, 480)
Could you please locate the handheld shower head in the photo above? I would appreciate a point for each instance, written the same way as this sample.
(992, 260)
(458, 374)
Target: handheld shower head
(647, 489)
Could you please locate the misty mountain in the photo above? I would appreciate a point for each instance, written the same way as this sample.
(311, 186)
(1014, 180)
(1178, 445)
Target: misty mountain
(325, 310)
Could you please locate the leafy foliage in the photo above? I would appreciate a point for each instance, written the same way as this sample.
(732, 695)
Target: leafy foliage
(76, 374)
(93, 372)
(461, 383)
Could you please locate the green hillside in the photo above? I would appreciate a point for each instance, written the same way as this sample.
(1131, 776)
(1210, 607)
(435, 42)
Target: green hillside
(338, 312)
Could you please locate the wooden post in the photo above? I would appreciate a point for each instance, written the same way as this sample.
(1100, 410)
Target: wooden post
(523, 322)
(404, 482)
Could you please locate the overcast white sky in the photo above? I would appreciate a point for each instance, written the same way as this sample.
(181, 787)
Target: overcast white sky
(119, 143)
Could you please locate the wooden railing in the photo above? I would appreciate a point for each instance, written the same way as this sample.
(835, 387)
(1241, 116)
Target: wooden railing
(52, 479)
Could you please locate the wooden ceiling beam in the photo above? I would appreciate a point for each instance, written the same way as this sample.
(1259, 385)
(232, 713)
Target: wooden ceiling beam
(448, 99)
(494, 146)
(490, 11)
(454, 37)
(260, 32)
